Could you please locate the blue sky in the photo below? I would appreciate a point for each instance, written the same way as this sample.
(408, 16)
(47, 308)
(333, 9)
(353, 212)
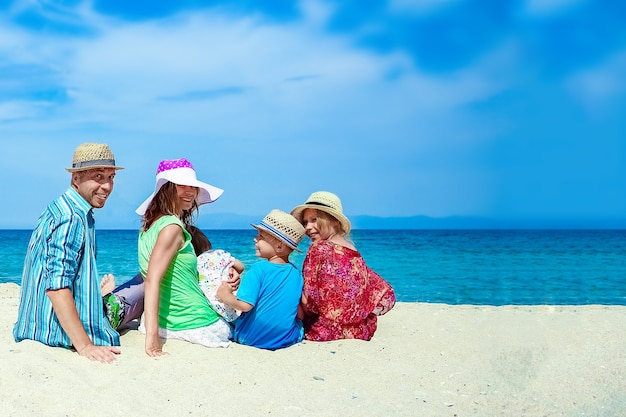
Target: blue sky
(495, 108)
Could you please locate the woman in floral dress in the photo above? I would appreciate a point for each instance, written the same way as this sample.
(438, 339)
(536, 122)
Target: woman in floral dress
(342, 296)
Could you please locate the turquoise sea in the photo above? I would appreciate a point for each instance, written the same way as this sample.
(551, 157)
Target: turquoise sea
(491, 267)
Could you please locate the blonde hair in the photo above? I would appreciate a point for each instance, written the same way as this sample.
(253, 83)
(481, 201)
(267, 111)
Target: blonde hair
(327, 224)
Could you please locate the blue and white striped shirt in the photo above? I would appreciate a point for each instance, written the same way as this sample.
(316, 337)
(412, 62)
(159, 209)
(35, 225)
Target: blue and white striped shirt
(62, 254)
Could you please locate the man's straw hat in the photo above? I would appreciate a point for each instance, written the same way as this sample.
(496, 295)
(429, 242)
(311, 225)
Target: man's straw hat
(92, 155)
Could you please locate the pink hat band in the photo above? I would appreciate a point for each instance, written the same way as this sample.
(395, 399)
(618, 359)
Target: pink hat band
(168, 164)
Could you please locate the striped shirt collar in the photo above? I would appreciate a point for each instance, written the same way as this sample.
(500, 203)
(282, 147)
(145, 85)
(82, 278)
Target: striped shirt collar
(80, 202)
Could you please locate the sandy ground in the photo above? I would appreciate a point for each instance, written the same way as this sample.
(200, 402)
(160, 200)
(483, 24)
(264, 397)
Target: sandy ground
(425, 360)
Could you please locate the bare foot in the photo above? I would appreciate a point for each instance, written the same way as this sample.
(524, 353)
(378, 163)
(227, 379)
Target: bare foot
(107, 285)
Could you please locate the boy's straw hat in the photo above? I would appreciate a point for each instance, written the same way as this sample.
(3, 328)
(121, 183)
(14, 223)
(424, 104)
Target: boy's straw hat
(92, 155)
(326, 202)
(282, 226)
(181, 172)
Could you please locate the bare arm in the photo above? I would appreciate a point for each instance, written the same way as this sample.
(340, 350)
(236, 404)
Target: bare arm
(234, 274)
(65, 310)
(238, 265)
(169, 241)
(302, 308)
(225, 294)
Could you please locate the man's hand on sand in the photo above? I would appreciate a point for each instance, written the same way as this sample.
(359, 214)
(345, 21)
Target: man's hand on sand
(103, 354)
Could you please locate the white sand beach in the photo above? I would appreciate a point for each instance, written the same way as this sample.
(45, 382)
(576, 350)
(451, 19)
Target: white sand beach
(425, 360)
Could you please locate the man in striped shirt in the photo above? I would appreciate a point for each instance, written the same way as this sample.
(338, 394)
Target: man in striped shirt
(60, 297)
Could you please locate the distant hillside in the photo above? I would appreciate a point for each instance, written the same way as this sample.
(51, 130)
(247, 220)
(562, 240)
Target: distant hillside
(227, 221)
(420, 222)
(470, 222)
(236, 221)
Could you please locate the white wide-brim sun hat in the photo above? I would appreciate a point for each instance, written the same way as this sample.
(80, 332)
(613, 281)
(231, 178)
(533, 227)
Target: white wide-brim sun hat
(181, 172)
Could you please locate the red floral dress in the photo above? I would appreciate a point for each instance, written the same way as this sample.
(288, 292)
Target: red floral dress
(344, 295)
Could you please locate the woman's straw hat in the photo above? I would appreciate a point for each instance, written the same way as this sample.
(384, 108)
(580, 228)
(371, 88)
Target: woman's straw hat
(92, 155)
(326, 202)
(282, 226)
(181, 172)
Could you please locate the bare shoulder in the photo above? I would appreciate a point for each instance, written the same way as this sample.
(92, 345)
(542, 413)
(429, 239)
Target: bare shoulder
(342, 241)
(171, 234)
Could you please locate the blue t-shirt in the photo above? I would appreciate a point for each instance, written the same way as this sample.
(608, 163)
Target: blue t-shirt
(274, 290)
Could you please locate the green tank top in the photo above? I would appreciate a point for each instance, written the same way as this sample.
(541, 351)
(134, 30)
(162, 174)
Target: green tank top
(182, 305)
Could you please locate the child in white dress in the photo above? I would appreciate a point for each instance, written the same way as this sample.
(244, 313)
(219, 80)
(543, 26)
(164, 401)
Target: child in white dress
(214, 266)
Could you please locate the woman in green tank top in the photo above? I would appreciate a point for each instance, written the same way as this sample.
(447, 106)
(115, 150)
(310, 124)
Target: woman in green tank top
(174, 305)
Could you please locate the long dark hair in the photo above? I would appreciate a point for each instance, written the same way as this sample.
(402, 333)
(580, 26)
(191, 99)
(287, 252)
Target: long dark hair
(199, 240)
(165, 203)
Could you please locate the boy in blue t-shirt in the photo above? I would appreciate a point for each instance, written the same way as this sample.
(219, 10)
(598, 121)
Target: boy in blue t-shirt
(270, 292)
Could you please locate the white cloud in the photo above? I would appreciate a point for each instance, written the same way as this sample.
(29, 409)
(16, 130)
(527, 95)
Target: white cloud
(120, 76)
(316, 12)
(292, 88)
(11, 111)
(601, 86)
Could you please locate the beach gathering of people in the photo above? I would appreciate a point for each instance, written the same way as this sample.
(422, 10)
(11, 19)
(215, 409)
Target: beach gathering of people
(186, 289)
